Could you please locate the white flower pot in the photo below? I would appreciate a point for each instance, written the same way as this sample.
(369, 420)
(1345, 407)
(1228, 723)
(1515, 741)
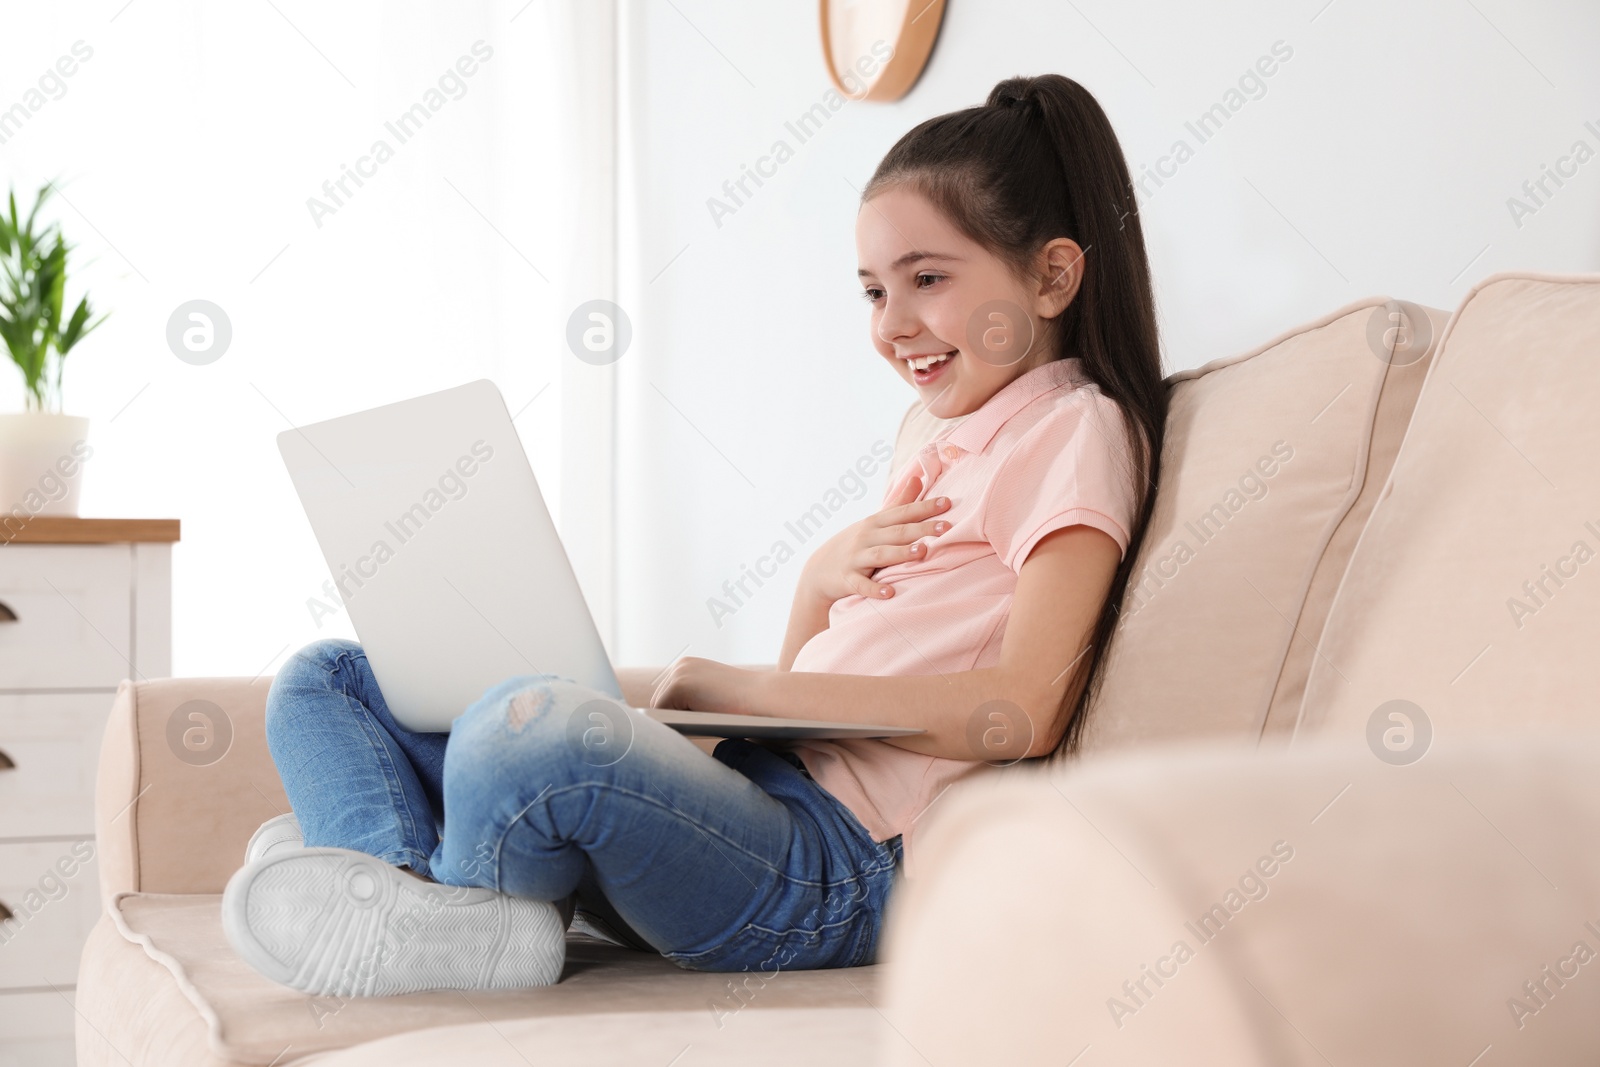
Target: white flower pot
(41, 463)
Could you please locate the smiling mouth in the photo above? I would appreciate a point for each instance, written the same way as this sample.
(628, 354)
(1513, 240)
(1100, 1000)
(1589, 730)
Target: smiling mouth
(925, 369)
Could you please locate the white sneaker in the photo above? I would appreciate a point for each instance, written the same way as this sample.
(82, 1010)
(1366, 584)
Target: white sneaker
(332, 922)
(281, 831)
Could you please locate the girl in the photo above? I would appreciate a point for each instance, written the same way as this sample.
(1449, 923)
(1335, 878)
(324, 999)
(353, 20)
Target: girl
(1000, 250)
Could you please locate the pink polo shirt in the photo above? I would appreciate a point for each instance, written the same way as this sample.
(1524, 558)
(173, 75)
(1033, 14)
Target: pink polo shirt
(1046, 452)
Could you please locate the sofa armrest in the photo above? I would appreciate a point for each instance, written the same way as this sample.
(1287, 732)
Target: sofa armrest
(184, 780)
(1214, 907)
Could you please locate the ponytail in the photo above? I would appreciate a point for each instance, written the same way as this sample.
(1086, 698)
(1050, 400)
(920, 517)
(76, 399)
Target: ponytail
(1037, 161)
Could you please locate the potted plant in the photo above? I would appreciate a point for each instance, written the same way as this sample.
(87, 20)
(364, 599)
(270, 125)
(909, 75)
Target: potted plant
(42, 450)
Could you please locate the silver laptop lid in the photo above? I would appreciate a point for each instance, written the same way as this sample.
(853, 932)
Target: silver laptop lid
(442, 548)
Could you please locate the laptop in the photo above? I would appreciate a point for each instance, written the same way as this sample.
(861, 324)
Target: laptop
(445, 556)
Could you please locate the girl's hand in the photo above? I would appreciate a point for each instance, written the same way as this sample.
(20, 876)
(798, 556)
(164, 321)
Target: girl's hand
(695, 684)
(845, 562)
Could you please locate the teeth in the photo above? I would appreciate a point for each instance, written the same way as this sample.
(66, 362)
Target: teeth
(927, 361)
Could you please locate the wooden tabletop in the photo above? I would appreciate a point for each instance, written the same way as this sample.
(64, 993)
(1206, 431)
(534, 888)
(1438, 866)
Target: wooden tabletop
(72, 530)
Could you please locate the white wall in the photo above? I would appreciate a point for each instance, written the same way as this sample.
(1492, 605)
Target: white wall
(188, 145)
(1379, 160)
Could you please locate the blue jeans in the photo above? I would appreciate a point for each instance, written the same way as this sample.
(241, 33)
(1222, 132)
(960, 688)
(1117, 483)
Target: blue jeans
(545, 789)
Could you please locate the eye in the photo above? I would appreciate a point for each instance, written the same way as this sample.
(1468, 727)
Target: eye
(929, 275)
(871, 295)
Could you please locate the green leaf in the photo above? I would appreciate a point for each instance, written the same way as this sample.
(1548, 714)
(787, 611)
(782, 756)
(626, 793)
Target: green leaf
(33, 278)
(44, 193)
(78, 327)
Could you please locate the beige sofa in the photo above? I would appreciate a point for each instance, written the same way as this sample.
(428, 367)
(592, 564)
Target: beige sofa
(1344, 517)
(1217, 908)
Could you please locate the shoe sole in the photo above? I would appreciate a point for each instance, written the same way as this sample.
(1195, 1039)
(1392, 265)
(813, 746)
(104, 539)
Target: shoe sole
(332, 922)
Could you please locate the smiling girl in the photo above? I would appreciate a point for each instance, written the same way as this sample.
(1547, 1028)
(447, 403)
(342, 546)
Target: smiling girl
(999, 248)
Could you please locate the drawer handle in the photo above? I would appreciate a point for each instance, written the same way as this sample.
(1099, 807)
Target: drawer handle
(6, 762)
(6, 614)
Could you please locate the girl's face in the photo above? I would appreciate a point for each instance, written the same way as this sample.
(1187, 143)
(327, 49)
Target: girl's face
(949, 315)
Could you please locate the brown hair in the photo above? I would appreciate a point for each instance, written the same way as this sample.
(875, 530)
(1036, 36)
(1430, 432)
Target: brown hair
(1037, 161)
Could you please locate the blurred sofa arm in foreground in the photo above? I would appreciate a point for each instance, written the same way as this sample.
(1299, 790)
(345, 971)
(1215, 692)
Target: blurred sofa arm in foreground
(1253, 910)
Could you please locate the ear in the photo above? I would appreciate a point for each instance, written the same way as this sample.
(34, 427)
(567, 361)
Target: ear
(1060, 272)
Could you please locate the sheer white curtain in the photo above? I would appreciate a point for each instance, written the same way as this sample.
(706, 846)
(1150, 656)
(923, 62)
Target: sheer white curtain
(378, 196)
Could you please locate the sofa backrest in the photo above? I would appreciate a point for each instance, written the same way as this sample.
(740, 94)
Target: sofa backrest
(1270, 467)
(1272, 462)
(1474, 592)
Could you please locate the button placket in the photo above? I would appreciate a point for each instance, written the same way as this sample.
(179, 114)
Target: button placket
(928, 459)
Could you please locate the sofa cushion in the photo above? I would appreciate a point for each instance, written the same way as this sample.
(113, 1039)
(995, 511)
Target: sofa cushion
(783, 1037)
(1270, 465)
(185, 994)
(1475, 591)
(131, 1012)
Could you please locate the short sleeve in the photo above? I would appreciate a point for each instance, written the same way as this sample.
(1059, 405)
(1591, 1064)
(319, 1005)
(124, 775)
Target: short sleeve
(1069, 468)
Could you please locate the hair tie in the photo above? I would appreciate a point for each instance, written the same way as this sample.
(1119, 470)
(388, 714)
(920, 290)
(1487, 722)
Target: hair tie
(1024, 102)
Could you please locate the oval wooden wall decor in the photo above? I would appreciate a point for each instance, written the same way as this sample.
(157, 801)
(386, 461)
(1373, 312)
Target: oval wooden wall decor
(876, 49)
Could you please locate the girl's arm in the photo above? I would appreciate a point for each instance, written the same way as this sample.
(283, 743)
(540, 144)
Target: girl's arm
(1060, 590)
(808, 617)
(845, 562)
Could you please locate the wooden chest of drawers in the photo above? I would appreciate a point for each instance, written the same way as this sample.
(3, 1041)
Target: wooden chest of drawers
(84, 603)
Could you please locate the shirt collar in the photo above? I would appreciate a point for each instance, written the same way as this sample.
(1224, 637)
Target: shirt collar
(975, 432)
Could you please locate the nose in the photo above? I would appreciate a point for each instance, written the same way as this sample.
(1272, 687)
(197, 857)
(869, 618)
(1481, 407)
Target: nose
(896, 324)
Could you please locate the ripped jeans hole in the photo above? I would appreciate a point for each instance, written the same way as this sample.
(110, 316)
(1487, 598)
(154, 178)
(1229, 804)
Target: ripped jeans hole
(526, 706)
